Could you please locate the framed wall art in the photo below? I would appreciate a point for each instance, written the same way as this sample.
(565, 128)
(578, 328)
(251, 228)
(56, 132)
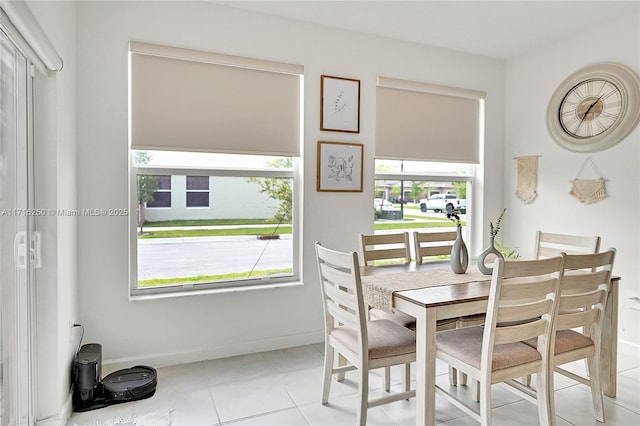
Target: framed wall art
(339, 167)
(339, 104)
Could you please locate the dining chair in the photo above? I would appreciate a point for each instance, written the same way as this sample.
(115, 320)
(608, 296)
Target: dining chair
(525, 305)
(550, 245)
(583, 296)
(428, 244)
(366, 345)
(386, 247)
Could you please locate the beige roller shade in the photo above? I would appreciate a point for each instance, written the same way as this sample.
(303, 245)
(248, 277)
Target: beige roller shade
(190, 100)
(418, 121)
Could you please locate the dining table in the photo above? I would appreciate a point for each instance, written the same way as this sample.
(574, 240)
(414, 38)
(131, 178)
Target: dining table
(432, 291)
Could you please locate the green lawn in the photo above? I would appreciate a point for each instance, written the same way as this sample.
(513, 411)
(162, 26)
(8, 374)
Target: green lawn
(155, 282)
(409, 222)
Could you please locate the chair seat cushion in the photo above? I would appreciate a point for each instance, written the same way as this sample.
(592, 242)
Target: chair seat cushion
(566, 341)
(465, 344)
(404, 319)
(386, 338)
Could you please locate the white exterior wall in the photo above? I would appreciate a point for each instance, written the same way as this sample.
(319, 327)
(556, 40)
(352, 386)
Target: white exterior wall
(229, 198)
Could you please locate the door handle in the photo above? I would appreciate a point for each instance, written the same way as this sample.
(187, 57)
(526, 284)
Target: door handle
(20, 250)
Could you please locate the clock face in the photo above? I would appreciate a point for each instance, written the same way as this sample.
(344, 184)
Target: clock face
(590, 108)
(595, 107)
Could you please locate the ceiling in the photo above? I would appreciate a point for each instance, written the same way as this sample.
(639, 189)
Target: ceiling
(498, 29)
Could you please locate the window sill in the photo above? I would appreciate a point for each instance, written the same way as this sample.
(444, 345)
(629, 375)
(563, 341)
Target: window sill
(172, 295)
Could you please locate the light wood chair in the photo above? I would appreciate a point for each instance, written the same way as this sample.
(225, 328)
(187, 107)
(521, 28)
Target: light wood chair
(387, 247)
(428, 244)
(583, 295)
(366, 345)
(489, 354)
(550, 245)
(377, 247)
(394, 247)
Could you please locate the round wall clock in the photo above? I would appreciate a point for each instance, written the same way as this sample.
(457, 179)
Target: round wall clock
(594, 108)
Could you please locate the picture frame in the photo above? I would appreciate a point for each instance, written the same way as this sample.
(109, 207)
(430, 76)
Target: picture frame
(339, 167)
(339, 104)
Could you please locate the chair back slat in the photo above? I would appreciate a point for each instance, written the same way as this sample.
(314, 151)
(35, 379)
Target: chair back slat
(523, 311)
(580, 282)
(550, 244)
(385, 247)
(520, 332)
(341, 316)
(578, 319)
(433, 244)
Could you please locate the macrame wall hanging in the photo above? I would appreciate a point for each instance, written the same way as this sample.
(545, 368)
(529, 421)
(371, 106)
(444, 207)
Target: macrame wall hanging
(527, 178)
(588, 191)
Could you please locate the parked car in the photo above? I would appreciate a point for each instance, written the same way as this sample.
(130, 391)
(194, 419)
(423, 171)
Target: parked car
(438, 203)
(382, 204)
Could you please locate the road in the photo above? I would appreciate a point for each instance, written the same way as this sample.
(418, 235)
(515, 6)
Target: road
(176, 257)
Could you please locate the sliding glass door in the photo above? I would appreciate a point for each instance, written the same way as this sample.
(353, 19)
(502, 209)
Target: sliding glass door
(16, 242)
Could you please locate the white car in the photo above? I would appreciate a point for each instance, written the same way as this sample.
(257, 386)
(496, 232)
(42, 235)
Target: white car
(381, 204)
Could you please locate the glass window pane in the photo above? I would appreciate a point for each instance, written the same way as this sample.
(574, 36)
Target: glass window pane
(422, 167)
(160, 199)
(164, 182)
(198, 183)
(209, 160)
(242, 230)
(198, 199)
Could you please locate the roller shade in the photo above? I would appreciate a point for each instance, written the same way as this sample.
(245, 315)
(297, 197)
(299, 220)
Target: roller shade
(190, 100)
(425, 122)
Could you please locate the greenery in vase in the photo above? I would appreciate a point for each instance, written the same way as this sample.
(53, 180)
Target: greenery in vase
(453, 216)
(507, 252)
(493, 230)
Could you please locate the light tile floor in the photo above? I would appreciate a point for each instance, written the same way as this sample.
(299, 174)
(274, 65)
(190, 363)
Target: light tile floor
(282, 387)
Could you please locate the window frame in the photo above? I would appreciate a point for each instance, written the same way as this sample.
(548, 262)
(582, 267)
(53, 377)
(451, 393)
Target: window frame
(197, 191)
(165, 191)
(221, 286)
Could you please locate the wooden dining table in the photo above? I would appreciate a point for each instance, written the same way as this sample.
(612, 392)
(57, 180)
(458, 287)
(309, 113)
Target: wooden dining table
(431, 291)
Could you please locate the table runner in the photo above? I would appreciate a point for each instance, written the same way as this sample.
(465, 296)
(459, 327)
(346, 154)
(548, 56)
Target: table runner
(378, 289)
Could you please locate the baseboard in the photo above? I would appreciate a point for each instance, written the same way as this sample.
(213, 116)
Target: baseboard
(159, 360)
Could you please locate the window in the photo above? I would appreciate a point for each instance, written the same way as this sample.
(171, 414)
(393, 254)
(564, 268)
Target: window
(216, 168)
(428, 140)
(245, 236)
(197, 191)
(419, 192)
(161, 197)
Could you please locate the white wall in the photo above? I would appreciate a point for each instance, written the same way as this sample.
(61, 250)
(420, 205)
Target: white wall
(531, 80)
(185, 329)
(229, 197)
(55, 188)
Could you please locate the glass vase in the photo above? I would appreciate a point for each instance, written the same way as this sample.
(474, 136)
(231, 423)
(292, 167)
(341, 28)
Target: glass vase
(459, 254)
(490, 252)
